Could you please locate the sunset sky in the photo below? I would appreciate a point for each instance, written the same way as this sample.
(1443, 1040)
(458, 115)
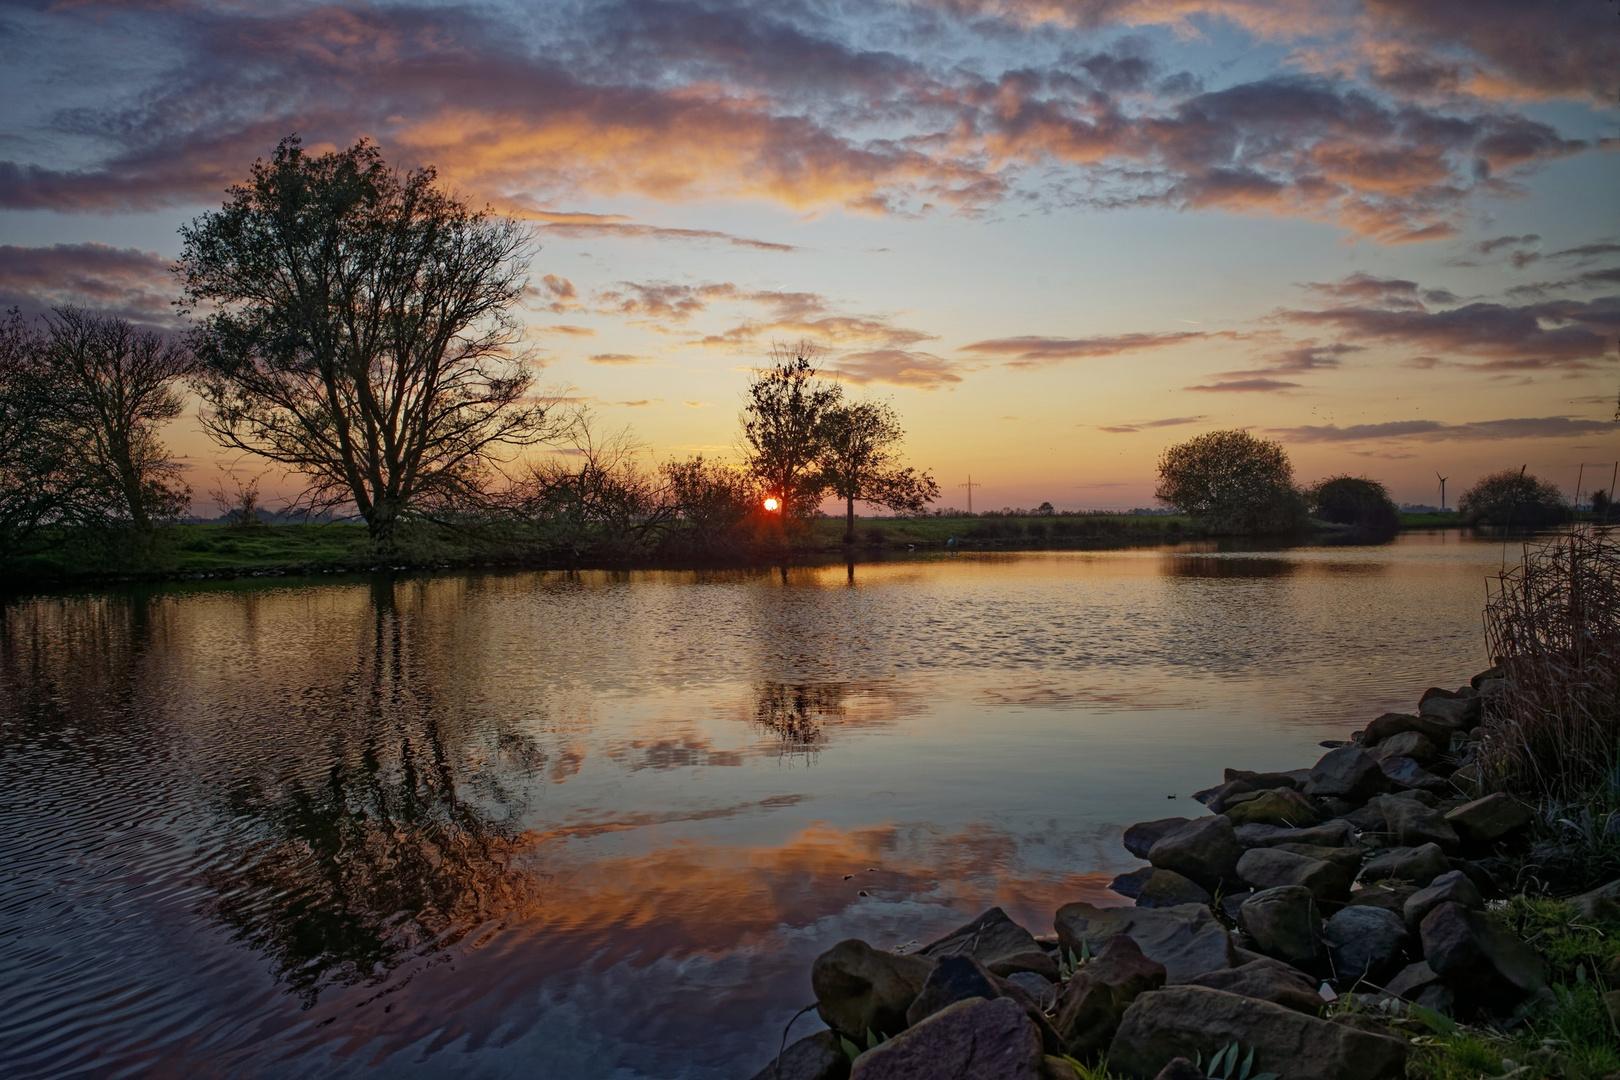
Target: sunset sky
(1058, 234)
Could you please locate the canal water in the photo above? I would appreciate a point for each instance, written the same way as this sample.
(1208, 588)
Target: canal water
(599, 824)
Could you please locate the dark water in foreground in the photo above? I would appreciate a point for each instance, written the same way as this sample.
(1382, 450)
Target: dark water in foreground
(531, 825)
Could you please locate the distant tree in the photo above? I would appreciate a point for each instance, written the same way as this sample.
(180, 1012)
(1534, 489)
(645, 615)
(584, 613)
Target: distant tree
(118, 386)
(1233, 482)
(785, 428)
(358, 331)
(1512, 498)
(1356, 501)
(860, 460)
(1600, 504)
(1045, 508)
(41, 481)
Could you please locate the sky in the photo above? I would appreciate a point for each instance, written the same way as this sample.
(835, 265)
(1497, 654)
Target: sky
(1058, 235)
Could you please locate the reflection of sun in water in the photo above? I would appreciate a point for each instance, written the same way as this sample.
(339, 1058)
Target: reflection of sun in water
(771, 504)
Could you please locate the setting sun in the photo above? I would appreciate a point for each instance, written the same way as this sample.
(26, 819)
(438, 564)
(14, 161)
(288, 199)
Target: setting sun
(772, 505)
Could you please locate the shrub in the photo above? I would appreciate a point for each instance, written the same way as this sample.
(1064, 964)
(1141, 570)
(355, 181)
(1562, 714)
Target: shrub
(1232, 482)
(1355, 501)
(1512, 498)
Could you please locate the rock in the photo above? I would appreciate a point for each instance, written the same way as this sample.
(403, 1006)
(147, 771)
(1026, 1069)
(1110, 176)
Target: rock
(1218, 798)
(971, 1040)
(1041, 990)
(1131, 884)
(998, 943)
(1185, 1021)
(954, 978)
(1231, 902)
(1346, 773)
(1485, 821)
(1602, 902)
(1481, 960)
(1368, 819)
(1285, 924)
(1411, 824)
(1390, 897)
(1417, 865)
(817, 1057)
(1433, 728)
(1410, 744)
(1249, 836)
(1347, 859)
(1205, 850)
(1467, 779)
(1463, 712)
(1269, 868)
(1261, 781)
(1366, 942)
(1452, 887)
(1096, 997)
(1141, 837)
(1412, 980)
(1270, 980)
(1180, 1069)
(1403, 772)
(1332, 834)
(1186, 940)
(1166, 888)
(859, 989)
(1279, 806)
(1495, 671)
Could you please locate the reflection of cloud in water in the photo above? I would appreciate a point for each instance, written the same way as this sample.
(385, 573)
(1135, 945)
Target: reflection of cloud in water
(1055, 696)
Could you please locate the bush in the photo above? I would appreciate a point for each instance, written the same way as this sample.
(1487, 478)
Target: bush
(1233, 482)
(1512, 498)
(1354, 501)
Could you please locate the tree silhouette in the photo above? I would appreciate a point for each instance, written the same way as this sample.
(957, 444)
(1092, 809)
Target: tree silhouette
(860, 461)
(785, 428)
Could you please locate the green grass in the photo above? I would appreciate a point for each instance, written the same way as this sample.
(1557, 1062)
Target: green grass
(1052, 530)
(1448, 520)
(181, 550)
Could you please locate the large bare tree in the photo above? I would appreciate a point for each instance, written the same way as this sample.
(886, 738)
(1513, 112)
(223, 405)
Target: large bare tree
(356, 328)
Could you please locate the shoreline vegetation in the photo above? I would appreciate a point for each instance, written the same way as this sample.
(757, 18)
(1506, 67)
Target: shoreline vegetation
(1436, 898)
(190, 550)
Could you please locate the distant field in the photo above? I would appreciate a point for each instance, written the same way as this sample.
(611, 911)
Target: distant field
(1036, 529)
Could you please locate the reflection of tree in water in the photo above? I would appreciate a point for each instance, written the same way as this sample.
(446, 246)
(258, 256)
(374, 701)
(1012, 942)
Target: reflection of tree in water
(795, 711)
(373, 856)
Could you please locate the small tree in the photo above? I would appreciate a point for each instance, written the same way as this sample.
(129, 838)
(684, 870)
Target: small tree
(785, 428)
(358, 331)
(118, 386)
(1233, 482)
(41, 479)
(1512, 498)
(859, 460)
(1355, 501)
(711, 500)
(1600, 505)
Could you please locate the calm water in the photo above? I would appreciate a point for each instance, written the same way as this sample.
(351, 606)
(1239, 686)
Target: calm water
(598, 826)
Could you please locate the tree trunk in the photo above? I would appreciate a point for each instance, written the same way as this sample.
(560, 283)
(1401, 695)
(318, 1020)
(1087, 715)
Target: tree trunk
(380, 523)
(849, 521)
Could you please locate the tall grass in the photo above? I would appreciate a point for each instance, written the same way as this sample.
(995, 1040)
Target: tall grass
(1553, 625)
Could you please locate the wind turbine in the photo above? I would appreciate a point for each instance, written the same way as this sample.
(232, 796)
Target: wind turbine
(1443, 480)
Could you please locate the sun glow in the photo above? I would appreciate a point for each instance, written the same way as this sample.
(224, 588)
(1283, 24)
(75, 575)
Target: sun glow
(771, 504)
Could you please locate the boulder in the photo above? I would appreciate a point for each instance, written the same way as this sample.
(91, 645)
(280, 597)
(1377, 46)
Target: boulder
(817, 1057)
(1409, 744)
(1406, 774)
(1261, 781)
(1180, 1069)
(1141, 837)
(1485, 821)
(1390, 897)
(1462, 712)
(1186, 940)
(1411, 824)
(1186, 1021)
(1278, 806)
(971, 1040)
(1095, 999)
(1041, 990)
(1412, 980)
(1269, 868)
(1415, 865)
(1166, 888)
(1285, 924)
(1367, 819)
(1331, 834)
(1483, 962)
(1205, 850)
(1131, 884)
(998, 943)
(1452, 887)
(1347, 859)
(1602, 902)
(1270, 980)
(954, 978)
(859, 989)
(1433, 728)
(1366, 943)
(1221, 796)
(1346, 773)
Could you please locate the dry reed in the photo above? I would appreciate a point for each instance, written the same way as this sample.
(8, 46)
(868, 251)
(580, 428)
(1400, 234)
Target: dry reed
(1553, 625)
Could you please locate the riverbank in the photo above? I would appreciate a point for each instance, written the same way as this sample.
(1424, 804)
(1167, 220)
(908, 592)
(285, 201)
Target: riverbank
(194, 550)
(1363, 918)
